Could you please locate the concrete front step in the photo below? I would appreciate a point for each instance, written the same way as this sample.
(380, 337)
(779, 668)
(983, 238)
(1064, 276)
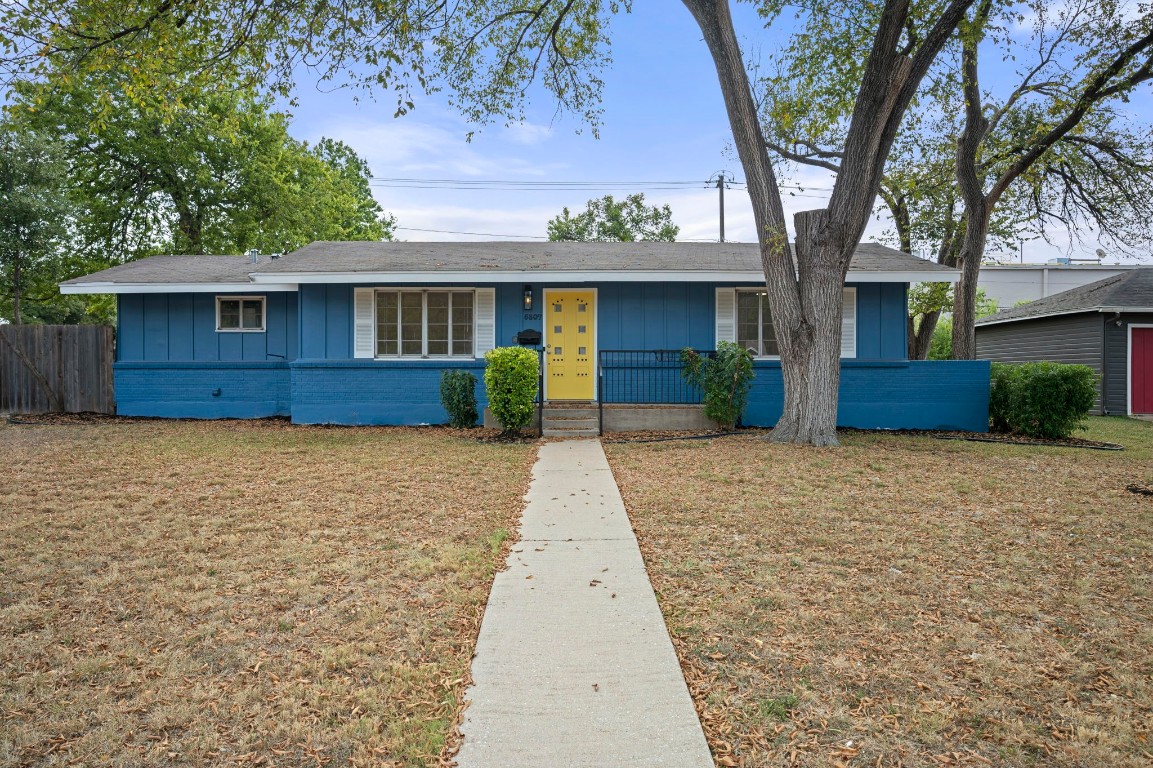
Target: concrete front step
(569, 413)
(569, 432)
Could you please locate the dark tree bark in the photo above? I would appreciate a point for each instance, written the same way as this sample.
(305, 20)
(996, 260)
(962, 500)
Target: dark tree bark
(805, 299)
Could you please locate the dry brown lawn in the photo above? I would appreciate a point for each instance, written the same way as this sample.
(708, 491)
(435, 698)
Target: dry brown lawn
(906, 601)
(243, 593)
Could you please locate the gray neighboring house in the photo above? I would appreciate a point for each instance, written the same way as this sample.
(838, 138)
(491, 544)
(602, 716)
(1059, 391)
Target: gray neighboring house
(1107, 325)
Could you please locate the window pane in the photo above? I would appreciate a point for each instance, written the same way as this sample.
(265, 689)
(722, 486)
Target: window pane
(748, 321)
(437, 322)
(252, 314)
(386, 322)
(230, 313)
(768, 333)
(411, 321)
(462, 324)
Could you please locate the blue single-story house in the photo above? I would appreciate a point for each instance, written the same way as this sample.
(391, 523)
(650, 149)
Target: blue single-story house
(359, 332)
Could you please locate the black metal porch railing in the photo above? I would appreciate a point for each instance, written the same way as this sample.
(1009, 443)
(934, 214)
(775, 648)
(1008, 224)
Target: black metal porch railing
(649, 376)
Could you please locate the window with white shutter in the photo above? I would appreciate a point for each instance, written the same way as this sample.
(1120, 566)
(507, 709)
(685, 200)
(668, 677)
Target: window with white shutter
(849, 323)
(743, 316)
(726, 315)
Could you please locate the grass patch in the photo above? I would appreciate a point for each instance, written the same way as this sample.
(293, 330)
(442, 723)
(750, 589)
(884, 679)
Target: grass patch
(923, 602)
(216, 593)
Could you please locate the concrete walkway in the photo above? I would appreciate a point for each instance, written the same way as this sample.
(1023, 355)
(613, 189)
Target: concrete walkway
(574, 666)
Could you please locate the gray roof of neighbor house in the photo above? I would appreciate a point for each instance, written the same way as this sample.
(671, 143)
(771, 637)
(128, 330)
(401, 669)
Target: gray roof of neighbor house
(496, 261)
(1129, 292)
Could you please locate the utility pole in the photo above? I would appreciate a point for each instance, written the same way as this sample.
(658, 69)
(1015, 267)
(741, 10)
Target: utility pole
(721, 188)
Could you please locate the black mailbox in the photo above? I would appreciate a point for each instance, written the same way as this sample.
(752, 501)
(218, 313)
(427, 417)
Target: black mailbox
(528, 338)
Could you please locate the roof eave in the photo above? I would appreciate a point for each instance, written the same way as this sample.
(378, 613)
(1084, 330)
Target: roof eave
(578, 276)
(1043, 315)
(111, 287)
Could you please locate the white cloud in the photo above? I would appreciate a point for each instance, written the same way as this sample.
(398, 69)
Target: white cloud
(415, 149)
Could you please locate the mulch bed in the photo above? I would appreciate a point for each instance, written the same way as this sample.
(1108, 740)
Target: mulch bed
(995, 437)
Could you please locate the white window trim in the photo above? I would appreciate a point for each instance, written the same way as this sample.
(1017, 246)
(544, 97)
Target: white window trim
(263, 314)
(736, 324)
(423, 324)
(846, 353)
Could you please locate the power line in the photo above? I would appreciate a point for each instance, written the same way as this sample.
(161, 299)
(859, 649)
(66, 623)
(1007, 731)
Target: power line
(522, 185)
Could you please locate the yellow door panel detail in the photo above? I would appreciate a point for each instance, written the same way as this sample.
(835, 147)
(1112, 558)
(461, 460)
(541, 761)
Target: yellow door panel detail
(571, 376)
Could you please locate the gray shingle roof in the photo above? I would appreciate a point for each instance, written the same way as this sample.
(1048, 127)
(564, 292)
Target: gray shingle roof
(177, 269)
(566, 256)
(1131, 290)
(486, 257)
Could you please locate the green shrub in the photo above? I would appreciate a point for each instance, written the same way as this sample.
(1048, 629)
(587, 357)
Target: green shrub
(725, 379)
(510, 377)
(1044, 400)
(458, 396)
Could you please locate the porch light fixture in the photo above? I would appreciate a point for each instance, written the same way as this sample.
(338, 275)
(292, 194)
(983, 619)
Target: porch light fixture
(527, 297)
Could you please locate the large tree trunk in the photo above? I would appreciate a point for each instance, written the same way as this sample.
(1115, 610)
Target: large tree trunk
(977, 204)
(806, 305)
(965, 293)
(806, 297)
(921, 337)
(811, 348)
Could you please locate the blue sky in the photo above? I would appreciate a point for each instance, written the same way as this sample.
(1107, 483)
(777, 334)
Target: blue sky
(663, 121)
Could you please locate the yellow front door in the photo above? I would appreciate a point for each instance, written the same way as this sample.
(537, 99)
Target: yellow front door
(570, 360)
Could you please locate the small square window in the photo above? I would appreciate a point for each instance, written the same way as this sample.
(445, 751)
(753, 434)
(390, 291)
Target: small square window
(240, 313)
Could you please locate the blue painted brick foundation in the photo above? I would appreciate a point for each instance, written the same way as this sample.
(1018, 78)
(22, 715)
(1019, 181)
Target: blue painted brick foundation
(915, 394)
(374, 392)
(203, 390)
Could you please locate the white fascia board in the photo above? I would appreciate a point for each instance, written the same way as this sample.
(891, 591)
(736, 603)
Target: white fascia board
(278, 286)
(614, 276)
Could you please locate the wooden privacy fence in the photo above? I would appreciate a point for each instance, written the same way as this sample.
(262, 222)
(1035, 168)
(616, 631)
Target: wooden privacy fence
(63, 368)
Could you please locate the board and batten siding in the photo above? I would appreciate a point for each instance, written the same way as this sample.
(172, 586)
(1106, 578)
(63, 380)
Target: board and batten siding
(1073, 339)
(1116, 378)
(644, 316)
(181, 328)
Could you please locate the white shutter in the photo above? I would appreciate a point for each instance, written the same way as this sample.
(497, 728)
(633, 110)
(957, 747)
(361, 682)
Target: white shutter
(849, 323)
(727, 314)
(364, 341)
(485, 320)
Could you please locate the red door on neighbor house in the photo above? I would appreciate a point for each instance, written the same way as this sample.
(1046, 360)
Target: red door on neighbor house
(1141, 370)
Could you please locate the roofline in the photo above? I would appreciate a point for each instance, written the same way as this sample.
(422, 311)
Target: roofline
(1101, 310)
(608, 276)
(109, 287)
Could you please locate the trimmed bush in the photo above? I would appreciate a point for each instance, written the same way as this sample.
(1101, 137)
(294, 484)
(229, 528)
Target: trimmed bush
(1043, 400)
(725, 379)
(510, 378)
(458, 396)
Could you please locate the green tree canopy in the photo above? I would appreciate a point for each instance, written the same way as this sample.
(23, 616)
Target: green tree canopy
(34, 215)
(221, 175)
(607, 220)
